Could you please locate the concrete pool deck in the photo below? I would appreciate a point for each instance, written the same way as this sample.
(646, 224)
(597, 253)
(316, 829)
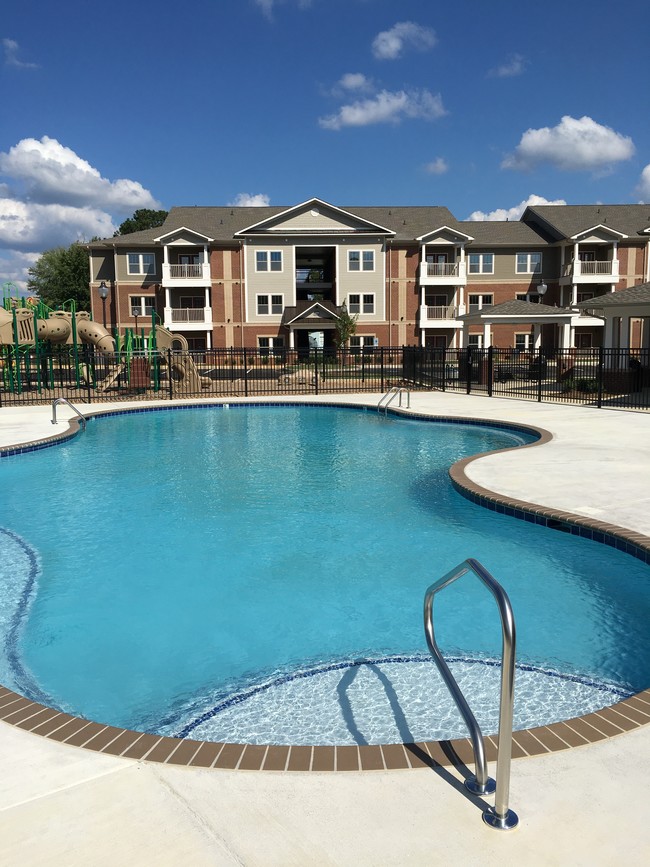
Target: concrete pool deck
(63, 805)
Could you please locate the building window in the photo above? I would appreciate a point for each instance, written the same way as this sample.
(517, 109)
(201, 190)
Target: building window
(475, 341)
(585, 296)
(267, 304)
(360, 343)
(532, 298)
(141, 263)
(522, 342)
(481, 263)
(478, 302)
(361, 260)
(529, 263)
(268, 260)
(270, 346)
(361, 303)
(142, 305)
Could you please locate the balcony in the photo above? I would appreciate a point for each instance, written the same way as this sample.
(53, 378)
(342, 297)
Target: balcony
(440, 317)
(443, 274)
(188, 318)
(605, 271)
(186, 275)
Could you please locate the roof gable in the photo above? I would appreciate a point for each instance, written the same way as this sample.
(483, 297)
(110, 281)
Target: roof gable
(315, 217)
(183, 237)
(445, 235)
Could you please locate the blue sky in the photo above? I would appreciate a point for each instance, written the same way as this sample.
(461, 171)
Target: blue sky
(471, 105)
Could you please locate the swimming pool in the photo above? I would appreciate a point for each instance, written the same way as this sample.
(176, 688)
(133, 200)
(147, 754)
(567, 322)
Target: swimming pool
(219, 580)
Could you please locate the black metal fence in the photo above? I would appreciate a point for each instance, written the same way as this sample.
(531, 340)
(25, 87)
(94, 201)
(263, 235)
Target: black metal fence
(38, 375)
(597, 377)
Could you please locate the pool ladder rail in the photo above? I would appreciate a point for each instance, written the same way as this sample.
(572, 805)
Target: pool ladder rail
(499, 816)
(396, 391)
(65, 400)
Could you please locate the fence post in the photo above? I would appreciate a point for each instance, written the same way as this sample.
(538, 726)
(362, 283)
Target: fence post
(245, 362)
(490, 369)
(316, 371)
(601, 364)
(381, 368)
(169, 374)
(540, 359)
(468, 370)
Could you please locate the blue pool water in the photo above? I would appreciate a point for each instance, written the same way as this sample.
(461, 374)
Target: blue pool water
(224, 573)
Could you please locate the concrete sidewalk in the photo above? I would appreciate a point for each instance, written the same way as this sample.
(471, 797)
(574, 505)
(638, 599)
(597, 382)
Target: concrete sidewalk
(65, 806)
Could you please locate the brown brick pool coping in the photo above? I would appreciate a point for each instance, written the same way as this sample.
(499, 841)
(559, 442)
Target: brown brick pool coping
(623, 716)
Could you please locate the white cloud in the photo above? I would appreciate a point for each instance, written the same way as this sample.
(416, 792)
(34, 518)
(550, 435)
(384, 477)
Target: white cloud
(389, 44)
(437, 167)
(644, 184)
(575, 144)
(514, 66)
(513, 213)
(354, 81)
(268, 6)
(52, 173)
(50, 197)
(248, 200)
(13, 268)
(387, 107)
(11, 49)
(32, 227)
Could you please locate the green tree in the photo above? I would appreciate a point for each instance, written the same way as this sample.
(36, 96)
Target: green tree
(346, 326)
(61, 274)
(144, 218)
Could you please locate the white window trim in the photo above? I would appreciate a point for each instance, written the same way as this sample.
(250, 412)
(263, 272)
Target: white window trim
(268, 269)
(482, 269)
(367, 340)
(481, 295)
(139, 300)
(527, 340)
(361, 269)
(269, 296)
(529, 269)
(361, 296)
(475, 337)
(141, 272)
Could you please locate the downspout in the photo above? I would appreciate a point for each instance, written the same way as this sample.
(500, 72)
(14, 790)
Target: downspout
(647, 262)
(241, 293)
(116, 294)
(390, 293)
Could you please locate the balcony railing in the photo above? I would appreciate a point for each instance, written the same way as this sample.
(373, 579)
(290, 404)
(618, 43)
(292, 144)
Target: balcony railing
(605, 268)
(186, 273)
(447, 312)
(442, 269)
(188, 314)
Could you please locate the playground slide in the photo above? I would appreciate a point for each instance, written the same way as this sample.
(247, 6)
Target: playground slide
(93, 332)
(185, 375)
(56, 330)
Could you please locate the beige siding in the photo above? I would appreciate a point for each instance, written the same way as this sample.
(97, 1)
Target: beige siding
(123, 275)
(360, 282)
(505, 265)
(269, 282)
(102, 266)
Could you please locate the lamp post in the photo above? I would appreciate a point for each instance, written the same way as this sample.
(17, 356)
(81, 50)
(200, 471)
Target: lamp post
(541, 291)
(103, 294)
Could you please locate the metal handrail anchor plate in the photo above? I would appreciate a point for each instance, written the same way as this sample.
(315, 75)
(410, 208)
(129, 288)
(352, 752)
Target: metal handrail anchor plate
(499, 816)
(65, 400)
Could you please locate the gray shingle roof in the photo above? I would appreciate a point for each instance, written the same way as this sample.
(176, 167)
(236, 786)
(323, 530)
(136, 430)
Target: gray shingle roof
(632, 295)
(519, 308)
(567, 220)
(505, 233)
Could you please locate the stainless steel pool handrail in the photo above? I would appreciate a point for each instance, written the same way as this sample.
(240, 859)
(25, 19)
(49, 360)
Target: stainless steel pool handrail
(59, 400)
(390, 396)
(499, 816)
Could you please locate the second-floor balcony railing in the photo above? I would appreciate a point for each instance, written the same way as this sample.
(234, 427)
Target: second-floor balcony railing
(436, 312)
(603, 268)
(188, 314)
(441, 269)
(188, 272)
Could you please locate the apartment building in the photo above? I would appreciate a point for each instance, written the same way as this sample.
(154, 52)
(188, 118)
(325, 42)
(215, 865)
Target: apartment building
(274, 277)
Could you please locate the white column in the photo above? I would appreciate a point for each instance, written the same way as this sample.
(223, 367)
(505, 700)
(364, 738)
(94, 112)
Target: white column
(166, 254)
(625, 332)
(537, 336)
(208, 339)
(576, 260)
(487, 335)
(608, 337)
(291, 338)
(565, 336)
(574, 295)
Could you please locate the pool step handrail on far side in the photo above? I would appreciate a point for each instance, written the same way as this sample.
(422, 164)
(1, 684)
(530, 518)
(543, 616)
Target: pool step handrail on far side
(389, 397)
(499, 816)
(65, 400)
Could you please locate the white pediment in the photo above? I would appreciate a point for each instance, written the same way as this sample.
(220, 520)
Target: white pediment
(315, 217)
(183, 237)
(444, 235)
(598, 235)
(316, 312)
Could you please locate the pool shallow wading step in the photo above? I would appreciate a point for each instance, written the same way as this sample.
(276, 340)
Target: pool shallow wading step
(623, 716)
